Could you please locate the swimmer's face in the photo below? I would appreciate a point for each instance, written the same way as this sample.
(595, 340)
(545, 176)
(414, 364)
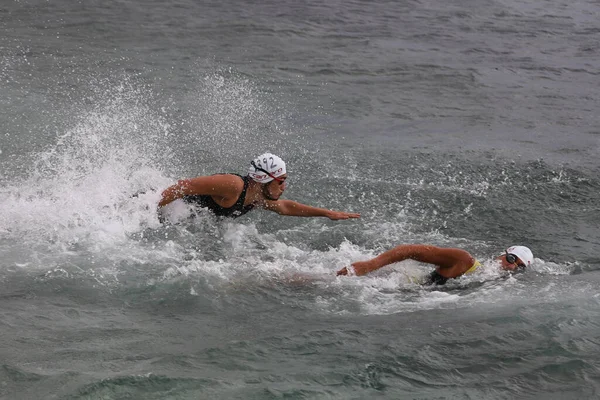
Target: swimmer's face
(274, 189)
(510, 262)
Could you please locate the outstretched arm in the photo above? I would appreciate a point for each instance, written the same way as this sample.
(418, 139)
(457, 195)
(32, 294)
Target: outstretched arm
(293, 208)
(225, 186)
(439, 256)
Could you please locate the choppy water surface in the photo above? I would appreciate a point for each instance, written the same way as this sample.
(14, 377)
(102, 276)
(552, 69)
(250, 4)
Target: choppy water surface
(459, 124)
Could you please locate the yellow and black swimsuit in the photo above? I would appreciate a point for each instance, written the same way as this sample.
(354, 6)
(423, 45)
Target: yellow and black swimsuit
(436, 278)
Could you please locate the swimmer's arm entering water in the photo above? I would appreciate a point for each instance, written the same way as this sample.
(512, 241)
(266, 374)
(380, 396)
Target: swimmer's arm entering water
(443, 258)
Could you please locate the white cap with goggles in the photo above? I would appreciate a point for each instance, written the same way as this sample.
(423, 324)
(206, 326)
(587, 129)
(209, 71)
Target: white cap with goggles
(523, 253)
(266, 167)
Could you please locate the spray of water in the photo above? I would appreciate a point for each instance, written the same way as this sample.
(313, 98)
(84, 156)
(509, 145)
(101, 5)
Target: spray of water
(88, 201)
(78, 191)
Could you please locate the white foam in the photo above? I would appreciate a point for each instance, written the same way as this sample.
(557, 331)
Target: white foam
(78, 192)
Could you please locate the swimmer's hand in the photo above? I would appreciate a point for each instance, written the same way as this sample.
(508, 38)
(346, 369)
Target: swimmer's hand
(344, 271)
(358, 268)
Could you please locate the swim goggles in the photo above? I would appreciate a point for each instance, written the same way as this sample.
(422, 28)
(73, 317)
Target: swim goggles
(512, 259)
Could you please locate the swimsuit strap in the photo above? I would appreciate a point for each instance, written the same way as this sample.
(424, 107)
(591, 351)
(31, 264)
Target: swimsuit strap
(476, 265)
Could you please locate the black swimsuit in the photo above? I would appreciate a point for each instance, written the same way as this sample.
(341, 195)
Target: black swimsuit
(436, 278)
(236, 210)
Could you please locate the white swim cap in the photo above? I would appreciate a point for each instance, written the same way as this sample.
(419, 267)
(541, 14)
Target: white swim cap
(266, 163)
(523, 253)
